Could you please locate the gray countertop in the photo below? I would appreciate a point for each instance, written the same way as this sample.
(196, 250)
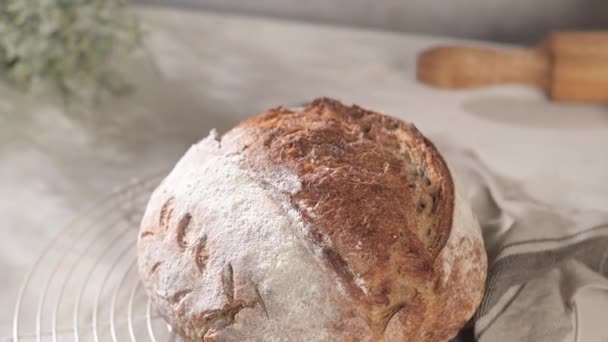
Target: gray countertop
(199, 71)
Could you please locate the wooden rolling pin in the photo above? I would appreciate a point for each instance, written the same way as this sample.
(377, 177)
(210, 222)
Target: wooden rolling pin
(568, 66)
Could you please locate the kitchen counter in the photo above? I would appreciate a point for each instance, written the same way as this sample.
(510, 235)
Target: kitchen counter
(198, 71)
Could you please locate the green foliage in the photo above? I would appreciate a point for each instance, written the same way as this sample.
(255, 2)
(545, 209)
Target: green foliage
(68, 43)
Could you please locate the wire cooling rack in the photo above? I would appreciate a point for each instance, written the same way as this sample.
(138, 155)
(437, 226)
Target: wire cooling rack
(85, 286)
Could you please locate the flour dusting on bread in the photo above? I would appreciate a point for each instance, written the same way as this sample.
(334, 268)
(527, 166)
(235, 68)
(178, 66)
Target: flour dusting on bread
(274, 274)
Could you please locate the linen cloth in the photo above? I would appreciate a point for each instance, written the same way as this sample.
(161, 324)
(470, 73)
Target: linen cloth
(548, 265)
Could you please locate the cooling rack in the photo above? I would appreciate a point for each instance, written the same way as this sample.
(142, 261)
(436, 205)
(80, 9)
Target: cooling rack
(85, 287)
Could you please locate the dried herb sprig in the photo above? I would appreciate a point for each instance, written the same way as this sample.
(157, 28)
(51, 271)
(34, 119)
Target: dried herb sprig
(69, 43)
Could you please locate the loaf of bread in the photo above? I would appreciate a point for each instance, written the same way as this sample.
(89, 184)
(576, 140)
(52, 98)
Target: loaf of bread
(325, 223)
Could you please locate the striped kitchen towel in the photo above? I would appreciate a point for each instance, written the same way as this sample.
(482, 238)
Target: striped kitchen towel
(548, 266)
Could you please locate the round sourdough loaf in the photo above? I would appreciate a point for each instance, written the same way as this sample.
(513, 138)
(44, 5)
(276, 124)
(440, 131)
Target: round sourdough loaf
(326, 223)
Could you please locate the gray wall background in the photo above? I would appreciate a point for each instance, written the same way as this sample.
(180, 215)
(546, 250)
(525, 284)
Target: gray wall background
(523, 21)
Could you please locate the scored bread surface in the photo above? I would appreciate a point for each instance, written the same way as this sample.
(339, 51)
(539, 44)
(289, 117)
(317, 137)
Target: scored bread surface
(325, 223)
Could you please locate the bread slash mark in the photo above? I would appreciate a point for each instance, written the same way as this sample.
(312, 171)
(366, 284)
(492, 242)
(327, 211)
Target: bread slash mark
(146, 233)
(179, 295)
(155, 267)
(166, 212)
(200, 254)
(261, 301)
(228, 282)
(182, 230)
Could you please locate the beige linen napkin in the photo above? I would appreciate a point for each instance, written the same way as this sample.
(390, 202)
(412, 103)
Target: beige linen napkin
(548, 266)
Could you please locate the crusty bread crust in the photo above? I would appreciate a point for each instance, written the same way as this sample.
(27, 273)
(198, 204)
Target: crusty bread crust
(398, 254)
